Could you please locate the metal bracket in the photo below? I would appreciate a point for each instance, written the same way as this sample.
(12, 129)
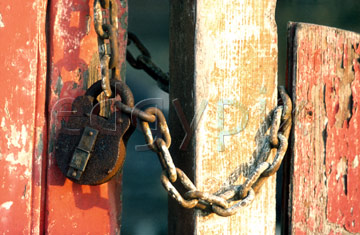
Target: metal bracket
(81, 155)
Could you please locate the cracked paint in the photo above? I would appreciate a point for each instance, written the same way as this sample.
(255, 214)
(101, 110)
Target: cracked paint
(2, 25)
(355, 163)
(22, 158)
(16, 138)
(6, 205)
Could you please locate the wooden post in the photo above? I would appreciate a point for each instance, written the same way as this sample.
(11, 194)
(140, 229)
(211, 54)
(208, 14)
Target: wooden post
(74, 66)
(324, 186)
(22, 116)
(223, 54)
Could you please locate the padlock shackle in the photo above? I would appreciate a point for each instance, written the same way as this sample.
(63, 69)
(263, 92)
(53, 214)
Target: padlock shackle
(117, 87)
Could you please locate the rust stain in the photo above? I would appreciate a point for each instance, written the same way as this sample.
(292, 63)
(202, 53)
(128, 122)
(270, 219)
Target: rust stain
(59, 85)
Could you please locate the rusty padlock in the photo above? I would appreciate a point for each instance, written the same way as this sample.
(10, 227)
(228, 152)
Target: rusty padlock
(90, 149)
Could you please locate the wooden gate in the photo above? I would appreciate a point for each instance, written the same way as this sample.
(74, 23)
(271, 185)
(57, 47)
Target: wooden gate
(324, 168)
(23, 132)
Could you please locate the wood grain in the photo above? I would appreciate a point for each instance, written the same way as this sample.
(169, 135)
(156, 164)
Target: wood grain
(223, 53)
(325, 72)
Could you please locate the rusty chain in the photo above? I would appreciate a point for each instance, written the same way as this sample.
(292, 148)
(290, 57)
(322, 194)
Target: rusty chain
(232, 198)
(108, 41)
(225, 202)
(144, 62)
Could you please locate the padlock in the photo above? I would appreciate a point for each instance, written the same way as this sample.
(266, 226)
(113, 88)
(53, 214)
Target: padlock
(90, 149)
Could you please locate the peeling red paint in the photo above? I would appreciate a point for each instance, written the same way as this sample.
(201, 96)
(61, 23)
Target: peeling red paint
(343, 143)
(325, 189)
(22, 113)
(24, 138)
(73, 46)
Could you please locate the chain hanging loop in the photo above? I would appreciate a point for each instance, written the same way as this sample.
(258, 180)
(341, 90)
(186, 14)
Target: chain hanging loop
(231, 199)
(144, 62)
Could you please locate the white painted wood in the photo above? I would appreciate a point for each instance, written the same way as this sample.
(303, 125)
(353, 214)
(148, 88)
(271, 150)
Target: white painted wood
(230, 62)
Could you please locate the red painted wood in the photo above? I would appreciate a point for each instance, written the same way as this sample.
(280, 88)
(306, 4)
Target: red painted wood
(74, 62)
(325, 190)
(22, 115)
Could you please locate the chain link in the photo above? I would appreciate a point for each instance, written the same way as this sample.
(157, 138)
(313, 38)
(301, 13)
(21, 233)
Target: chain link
(144, 62)
(108, 41)
(232, 198)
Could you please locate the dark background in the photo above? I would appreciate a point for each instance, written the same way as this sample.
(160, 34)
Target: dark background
(144, 199)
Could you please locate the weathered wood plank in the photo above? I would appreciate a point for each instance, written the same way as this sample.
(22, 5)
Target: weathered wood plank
(324, 68)
(22, 115)
(223, 53)
(74, 61)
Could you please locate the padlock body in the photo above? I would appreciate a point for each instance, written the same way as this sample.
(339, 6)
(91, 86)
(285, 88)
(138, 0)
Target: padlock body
(90, 149)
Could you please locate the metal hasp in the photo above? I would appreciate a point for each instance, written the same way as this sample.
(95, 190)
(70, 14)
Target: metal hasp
(82, 152)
